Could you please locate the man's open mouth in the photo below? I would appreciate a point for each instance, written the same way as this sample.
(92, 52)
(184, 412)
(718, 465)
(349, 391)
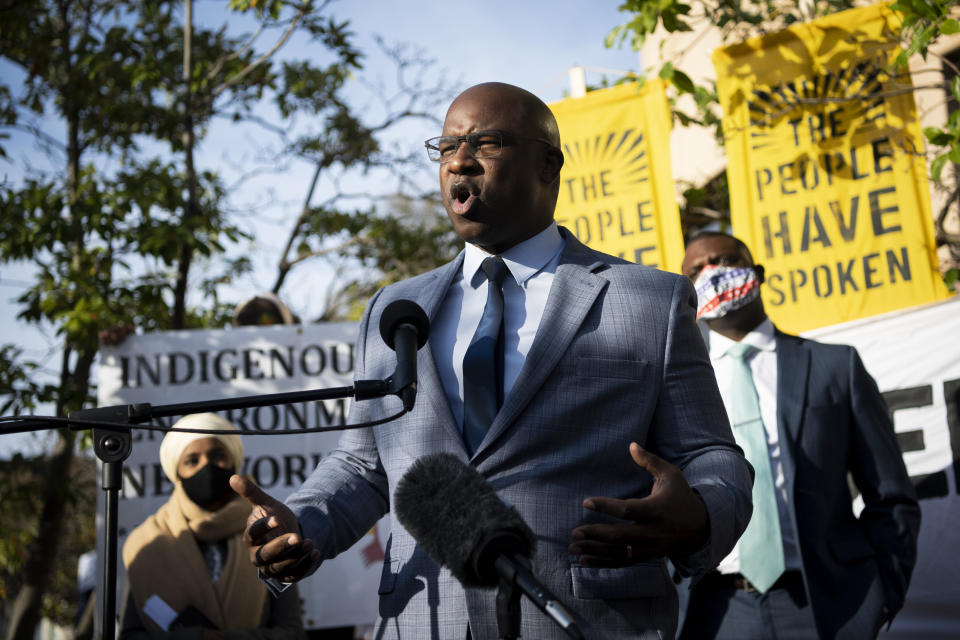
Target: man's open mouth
(461, 198)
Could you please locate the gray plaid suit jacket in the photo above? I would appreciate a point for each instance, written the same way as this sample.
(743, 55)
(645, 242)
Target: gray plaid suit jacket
(617, 358)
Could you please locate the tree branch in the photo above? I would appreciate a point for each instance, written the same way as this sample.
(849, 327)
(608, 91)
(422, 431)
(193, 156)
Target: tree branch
(236, 115)
(942, 233)
(236, 54)
(352, 242)
(41, 135)
(284, 266)
(256, 63)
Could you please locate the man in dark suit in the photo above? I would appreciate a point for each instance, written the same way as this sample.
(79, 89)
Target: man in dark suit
(806, 565)
(594, 354)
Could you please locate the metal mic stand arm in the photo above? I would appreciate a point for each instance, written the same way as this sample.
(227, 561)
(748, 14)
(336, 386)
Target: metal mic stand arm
(112, 442)
(112, 447)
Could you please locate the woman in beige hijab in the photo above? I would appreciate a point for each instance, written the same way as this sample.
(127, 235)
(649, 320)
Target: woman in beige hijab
(188, 574)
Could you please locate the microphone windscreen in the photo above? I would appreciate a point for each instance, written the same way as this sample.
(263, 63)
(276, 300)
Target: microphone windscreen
(404, 312)
(458, 519)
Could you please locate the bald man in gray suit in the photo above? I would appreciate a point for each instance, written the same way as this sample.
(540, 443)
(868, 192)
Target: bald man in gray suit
(597, 353)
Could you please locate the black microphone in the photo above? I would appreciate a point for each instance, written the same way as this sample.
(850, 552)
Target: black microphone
(461, 523)
(404, 327)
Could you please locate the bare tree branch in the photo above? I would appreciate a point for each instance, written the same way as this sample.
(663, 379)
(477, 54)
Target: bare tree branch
(410, 96)
(266, 56)
(41, 136)
(236, 54)
(283, 132)
(353, 241)
(942, 234)
(284, 265)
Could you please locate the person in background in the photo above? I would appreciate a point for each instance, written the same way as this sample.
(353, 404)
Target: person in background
(263, 309)
(188, 575)
(259, 310)
(807, 415)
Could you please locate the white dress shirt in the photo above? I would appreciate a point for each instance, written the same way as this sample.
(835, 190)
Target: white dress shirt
(532, 265)
(763, 365)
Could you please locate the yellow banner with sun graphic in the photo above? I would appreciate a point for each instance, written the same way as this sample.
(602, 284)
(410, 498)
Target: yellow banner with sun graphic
(828, 183)
(616, 187)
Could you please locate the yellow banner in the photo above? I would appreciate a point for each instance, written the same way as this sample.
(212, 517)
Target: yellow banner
(616, 187)
(828, 184)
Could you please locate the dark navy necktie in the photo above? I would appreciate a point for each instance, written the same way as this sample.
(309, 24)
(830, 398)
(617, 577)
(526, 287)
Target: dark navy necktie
(483, 362)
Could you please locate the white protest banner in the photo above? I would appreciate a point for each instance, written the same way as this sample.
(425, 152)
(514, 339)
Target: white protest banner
(187, 366)
(914, 356)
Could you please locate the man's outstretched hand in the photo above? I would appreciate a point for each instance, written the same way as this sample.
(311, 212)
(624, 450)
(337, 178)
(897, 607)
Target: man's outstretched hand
(273, 536)
(672, 520)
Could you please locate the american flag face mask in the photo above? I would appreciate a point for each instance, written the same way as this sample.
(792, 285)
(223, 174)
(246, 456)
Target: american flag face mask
(722, 289)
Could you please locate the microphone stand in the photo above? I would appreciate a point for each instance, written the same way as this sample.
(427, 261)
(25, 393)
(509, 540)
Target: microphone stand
(516, 579)
(112, 443)
(508, 608)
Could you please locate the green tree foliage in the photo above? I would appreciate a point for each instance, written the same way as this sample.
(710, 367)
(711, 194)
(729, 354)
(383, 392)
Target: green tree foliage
(22, 482)
(118, 94)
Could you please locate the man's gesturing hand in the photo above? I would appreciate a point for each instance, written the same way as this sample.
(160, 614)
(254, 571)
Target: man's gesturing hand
(672, 520)
(273, 536)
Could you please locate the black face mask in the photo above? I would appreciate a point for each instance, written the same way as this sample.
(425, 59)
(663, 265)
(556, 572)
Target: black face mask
(209, 485)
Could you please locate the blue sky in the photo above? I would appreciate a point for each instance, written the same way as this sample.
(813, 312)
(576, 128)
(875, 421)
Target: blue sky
(529, 44)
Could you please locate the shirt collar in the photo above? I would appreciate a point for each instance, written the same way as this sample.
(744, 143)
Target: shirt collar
(762, 338)
(524, 260)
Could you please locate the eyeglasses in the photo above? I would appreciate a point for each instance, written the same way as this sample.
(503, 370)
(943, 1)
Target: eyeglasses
(482, 144)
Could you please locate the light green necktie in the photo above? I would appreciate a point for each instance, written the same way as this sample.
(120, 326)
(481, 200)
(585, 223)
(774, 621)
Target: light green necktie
(761, 546)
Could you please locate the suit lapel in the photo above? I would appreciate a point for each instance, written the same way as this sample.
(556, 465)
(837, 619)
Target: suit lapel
(429, 296)
(573, 293)
(793, 367)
